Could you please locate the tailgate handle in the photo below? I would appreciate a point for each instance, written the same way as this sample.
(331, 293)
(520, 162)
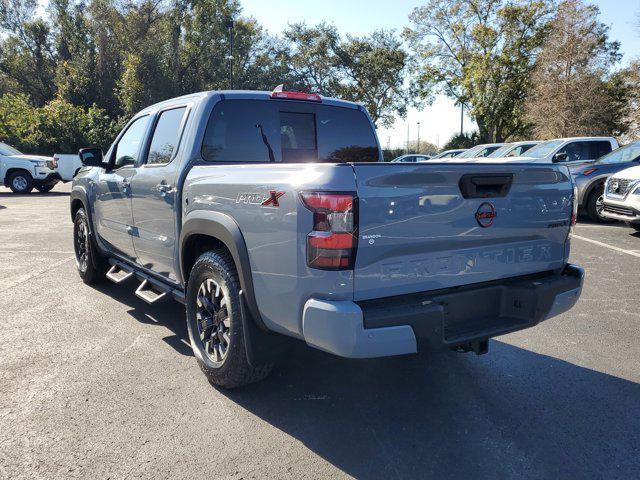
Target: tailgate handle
(478, 185)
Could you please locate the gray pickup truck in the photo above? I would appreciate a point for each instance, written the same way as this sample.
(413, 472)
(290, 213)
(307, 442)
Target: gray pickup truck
(272, 217)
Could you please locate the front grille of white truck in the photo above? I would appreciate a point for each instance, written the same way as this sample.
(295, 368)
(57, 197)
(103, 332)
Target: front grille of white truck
(619, 186)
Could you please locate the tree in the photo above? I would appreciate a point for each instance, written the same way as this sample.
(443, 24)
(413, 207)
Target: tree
(631, 76)
(462, 140)
(27, 56)
(481, 54)
(372, 70)
(573, 92)
(59, 126)
(426, 148)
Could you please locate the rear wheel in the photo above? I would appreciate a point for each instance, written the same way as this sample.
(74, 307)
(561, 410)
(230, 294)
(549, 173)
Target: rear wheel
(595, 205)
(92, 267)
(21, 182)
(214, 321)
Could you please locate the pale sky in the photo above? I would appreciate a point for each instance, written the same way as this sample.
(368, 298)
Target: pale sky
(358, 17)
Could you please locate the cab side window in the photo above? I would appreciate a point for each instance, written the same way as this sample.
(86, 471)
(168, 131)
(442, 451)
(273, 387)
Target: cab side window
(576, 151)
(586, 150)
(165, 136)
(598, 149)
(128, 148)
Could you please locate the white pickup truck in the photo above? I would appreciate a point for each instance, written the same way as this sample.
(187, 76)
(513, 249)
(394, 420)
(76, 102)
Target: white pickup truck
(21, 173)
(67, 165)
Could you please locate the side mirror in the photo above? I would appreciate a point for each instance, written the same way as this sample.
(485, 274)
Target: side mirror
(560, 157)
(91, 157)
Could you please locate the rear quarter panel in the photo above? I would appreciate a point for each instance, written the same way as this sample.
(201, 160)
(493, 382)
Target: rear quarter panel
(275, 236)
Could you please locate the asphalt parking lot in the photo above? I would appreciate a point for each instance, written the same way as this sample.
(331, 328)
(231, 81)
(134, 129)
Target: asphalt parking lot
(96, 384)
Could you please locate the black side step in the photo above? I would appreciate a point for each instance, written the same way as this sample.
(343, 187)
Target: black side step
(149, 292)
(119, 272)
(150, 289)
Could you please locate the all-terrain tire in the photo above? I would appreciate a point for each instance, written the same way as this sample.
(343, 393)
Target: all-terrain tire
(92, 267)
(21, 182)
(217, 268)
(594, 205)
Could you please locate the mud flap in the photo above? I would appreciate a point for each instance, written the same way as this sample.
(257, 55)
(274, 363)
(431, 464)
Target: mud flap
(262, 347)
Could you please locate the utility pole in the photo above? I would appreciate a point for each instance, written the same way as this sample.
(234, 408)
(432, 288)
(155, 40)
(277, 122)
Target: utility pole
(418, 149)
(408, 137)
(230, 25)
(461, 118)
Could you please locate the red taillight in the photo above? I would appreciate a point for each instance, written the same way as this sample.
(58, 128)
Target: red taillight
(331, 245)
(589, 171)
(307, 97)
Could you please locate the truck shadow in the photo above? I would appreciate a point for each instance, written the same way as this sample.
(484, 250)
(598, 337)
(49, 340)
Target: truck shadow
(166, 313)
(510, 414)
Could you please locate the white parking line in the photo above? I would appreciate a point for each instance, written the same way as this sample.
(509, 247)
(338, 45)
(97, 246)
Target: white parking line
(606, 245)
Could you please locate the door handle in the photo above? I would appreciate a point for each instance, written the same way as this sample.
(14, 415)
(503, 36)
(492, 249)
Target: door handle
(164, 188)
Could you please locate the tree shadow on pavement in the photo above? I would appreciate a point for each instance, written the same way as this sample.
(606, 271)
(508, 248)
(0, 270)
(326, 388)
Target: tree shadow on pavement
(167, 313)
(510, 414)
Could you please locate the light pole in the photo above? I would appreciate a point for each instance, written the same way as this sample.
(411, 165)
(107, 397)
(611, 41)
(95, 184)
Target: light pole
(408, 136)
(418, 150)
(230, 25)
(461, 118)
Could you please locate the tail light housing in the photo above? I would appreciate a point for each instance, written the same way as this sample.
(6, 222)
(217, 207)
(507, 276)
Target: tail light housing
(55, 161)
(574, 211)
(332, 243)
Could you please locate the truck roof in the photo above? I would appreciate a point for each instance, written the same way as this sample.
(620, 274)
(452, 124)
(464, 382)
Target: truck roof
(243, 95)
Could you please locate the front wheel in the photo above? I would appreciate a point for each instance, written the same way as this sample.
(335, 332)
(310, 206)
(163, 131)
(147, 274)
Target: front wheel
(214, 321)
(92, 267)
(595, 205)
(21, 182)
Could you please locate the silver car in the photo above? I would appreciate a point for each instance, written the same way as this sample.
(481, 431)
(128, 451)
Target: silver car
(590, 178)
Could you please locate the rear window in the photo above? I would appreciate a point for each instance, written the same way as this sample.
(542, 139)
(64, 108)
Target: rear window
(245, 131)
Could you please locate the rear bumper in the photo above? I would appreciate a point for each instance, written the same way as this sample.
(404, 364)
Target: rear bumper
(435, 320)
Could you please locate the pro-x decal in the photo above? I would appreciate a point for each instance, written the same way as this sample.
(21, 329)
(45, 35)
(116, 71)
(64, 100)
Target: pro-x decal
(269, 199)
(273, 199)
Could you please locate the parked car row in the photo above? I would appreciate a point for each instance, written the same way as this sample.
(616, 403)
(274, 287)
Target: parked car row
(592, 161)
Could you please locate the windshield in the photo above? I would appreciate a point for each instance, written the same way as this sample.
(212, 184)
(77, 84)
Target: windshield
(471, 152)
(502, 151)
(628, 153)
(480, 151)
(8, 150)
(544, 149)
(448, 154)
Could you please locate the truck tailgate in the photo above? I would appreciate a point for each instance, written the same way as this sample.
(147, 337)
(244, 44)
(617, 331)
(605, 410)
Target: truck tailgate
(433, 226)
